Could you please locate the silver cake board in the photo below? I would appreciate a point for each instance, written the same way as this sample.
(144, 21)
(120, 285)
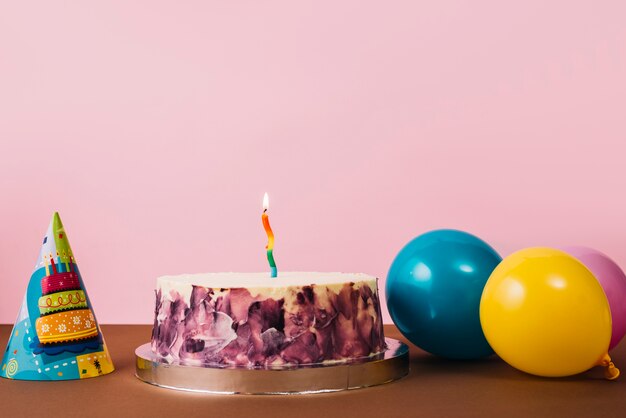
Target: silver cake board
(382, 368)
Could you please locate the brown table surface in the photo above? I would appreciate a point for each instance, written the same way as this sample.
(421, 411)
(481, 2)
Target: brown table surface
(434, 387)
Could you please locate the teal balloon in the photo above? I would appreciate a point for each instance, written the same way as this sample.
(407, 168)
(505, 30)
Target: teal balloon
(433, 292)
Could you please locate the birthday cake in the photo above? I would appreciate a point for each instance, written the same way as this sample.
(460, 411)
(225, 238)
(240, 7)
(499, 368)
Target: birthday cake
(65, 315)
(252, 320)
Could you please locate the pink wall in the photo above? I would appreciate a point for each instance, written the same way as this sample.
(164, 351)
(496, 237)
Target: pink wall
(155, 127)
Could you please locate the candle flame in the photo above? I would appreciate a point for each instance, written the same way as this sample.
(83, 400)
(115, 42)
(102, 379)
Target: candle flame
(266, 202)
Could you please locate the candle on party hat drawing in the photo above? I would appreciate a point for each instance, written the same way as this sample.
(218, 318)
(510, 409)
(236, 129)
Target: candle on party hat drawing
(54, 266)
(66, 260)
(45, 261)
(270, 236)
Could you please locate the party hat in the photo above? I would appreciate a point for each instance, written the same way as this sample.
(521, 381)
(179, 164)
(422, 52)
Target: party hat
(56, 335)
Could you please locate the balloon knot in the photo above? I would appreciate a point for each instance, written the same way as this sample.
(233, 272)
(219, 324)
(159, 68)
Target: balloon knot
(610, 371)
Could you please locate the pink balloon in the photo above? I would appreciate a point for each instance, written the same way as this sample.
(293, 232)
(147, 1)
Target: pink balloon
(613, 281)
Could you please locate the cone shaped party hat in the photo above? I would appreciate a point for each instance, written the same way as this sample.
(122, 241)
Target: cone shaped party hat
(56, 335)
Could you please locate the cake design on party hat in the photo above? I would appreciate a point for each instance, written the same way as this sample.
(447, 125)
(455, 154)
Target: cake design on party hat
(56, 335)
(65, 315)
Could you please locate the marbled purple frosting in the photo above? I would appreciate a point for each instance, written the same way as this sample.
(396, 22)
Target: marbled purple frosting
(307, 324)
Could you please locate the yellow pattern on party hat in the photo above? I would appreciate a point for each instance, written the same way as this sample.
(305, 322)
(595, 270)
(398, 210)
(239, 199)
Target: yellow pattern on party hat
(56, 335)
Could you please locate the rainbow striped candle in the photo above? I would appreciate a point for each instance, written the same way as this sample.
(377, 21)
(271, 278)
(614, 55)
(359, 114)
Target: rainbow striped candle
(270, 237)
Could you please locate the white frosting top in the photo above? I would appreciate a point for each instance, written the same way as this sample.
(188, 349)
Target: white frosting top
(255, 280)
(258, 283)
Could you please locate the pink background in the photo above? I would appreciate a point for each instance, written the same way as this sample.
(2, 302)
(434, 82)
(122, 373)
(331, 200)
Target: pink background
(156, 127)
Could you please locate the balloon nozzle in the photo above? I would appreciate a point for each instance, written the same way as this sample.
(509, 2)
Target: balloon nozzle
(610, 371)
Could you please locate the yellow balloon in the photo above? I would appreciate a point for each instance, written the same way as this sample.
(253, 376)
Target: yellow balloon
(543, 312)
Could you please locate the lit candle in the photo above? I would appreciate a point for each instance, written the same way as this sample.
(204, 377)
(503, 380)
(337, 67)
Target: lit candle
(270, 237)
